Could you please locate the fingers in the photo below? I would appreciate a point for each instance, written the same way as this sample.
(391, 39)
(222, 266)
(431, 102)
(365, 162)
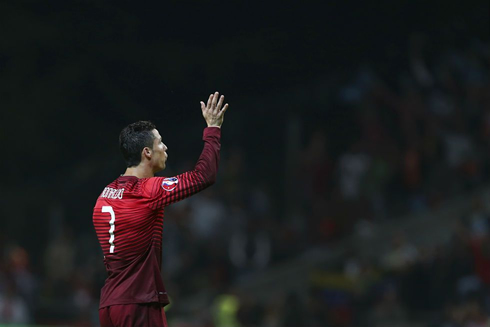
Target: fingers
(220, 102)
(215, 100)
(222, 112)
(214, 103)
(208, 105)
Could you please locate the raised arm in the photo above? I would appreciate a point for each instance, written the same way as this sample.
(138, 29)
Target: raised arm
(165, 191)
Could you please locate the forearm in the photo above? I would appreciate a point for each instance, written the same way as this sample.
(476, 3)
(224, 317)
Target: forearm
(207, 165)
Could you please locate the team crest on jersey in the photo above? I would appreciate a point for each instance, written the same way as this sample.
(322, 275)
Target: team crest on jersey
(170, 183)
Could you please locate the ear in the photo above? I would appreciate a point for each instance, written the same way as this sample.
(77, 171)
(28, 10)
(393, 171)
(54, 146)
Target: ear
(146, 153)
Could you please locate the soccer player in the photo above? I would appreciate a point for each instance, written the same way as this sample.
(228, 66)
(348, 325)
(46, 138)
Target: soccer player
(128, 219)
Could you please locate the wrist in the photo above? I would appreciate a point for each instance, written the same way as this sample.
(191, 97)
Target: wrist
(219, 126)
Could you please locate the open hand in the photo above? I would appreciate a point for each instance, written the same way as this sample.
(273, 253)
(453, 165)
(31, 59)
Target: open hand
(213, 112)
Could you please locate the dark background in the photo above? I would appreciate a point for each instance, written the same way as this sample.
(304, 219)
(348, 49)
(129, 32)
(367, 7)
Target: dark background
(74, 73)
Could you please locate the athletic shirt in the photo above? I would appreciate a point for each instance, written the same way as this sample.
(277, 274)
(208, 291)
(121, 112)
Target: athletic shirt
(128, 220)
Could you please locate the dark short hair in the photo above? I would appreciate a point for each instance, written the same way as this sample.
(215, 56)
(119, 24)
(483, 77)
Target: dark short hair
(133, 139)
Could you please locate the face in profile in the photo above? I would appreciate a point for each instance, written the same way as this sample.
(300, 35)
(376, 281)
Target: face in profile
(159, 154)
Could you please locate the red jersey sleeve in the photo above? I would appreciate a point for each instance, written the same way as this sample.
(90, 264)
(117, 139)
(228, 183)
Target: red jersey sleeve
(163, 191)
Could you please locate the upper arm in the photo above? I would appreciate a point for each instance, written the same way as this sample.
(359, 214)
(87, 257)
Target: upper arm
(163, 191)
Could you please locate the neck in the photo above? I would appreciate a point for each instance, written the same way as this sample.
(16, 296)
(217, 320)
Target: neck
(139, 171)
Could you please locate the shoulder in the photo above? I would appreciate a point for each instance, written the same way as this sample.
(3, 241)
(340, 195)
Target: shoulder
(150, 185)
(149, 180)
(159, 184)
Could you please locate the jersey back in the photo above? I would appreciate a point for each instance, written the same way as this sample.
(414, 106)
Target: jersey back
(128, 220)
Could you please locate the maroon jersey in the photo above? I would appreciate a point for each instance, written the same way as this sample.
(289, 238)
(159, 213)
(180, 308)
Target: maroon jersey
(128, 220)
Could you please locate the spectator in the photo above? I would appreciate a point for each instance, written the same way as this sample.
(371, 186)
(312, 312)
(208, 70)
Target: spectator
(353, 166)
(388, 312)
(401, 255)
(13, 308)
(207, 216)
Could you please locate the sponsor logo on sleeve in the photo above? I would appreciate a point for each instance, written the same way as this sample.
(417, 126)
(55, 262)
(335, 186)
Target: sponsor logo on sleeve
(170, 183)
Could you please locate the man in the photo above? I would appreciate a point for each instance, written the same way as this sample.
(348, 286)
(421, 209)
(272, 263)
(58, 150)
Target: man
(128, 219)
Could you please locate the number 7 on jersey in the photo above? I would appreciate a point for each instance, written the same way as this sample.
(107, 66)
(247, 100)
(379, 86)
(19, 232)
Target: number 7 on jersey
(112, 224)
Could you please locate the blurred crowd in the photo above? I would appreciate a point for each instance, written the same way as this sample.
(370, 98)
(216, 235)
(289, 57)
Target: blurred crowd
(418, 135)
(416, 138)
(436, 285)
